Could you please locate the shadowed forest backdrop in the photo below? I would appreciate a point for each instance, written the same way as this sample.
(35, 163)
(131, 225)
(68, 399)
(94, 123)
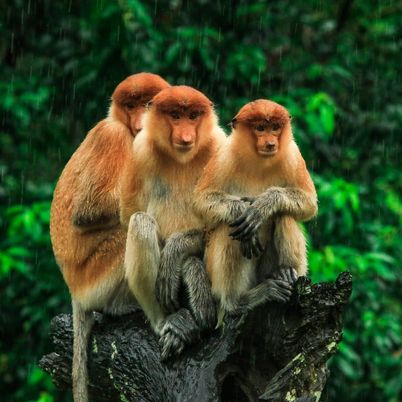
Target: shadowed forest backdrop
(335, 65)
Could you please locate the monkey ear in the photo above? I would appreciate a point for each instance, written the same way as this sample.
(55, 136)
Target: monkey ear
(233, 122)
(290, 117)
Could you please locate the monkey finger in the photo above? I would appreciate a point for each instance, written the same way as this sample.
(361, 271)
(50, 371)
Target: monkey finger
(294, 274)
(284, 275)
(243, 230)
(279, 284)
(238, 228)
(285, 292)
(259, 245)
(171, 301)
(245, 233)
(166, 346)
(239, 220)
(285, 285)
(248, 250)
(171, 344)
(289, 276)
(256, 246)
(275, 296)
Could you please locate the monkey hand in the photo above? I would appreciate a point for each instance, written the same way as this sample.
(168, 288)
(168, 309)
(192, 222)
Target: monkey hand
(251, 247)
(246, 226)
(167, 285)
(178, 330)
(287, 274)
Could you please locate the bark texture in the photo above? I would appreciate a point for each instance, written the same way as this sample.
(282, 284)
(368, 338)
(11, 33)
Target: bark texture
(275, 353)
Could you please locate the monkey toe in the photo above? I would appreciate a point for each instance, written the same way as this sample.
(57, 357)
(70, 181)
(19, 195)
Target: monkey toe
(288, 274)
(182, 325)
(205, 316)
(170, 345)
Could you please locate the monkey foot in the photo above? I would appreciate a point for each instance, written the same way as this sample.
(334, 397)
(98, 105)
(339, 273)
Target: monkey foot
(179, 330)
(287, 274)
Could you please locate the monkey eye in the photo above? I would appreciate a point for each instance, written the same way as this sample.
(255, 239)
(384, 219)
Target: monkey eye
(130, 105)
(194, 115)
(260, 127)
(175, 115)
(276, 126)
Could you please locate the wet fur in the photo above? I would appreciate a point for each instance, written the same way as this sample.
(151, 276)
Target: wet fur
(284, 193)
(87, 237)
(162, 188)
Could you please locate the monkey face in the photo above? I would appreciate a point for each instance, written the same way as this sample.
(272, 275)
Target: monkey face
(135, 118)
(267, 126)
(132, 95)
(267, 137)
(183, 116)
(184, 128)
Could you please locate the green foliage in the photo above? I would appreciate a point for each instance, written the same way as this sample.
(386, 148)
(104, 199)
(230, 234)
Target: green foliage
(334, 65)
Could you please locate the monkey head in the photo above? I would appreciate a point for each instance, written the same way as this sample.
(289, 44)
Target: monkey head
(131, 96)
(183, 120)
(266, 125)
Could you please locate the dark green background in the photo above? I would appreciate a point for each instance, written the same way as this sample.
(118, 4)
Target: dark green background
(335, 65)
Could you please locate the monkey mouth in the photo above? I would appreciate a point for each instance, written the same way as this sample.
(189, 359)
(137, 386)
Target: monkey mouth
(183, 147)
(267, 153)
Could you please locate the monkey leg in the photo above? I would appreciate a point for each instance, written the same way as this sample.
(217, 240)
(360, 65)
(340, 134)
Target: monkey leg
(290, 245)
(178, 247)
(141, 262)
(230, 273)
(198, 287)
(234, 277)
(184, 326)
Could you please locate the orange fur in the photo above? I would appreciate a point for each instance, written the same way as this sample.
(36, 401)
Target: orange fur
(89, 188)
(157, 162)
(179, 137)
(260, 159)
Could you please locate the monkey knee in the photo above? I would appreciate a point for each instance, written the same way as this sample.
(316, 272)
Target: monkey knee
(141, 220)
(142, 227)
(194, 266)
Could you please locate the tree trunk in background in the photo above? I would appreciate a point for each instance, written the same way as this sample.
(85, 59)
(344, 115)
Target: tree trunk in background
(275, 353)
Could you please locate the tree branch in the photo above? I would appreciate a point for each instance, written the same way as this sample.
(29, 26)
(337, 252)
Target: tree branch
(275, 353)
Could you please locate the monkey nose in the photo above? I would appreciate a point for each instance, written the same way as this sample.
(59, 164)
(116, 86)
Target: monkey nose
(270, 147)
(186, 141)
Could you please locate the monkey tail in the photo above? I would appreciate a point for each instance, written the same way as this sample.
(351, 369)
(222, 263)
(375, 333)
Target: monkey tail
(82, 324)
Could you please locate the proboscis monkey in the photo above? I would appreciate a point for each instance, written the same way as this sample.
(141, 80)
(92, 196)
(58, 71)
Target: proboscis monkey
(251, 195)
(87, 237)
(179, 137)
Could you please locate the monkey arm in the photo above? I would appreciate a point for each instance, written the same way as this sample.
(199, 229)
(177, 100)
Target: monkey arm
(90, 214)
(219, 207)
(298, 203)
(87, 223)
(293, 201)
(130, 190)
(178, 248)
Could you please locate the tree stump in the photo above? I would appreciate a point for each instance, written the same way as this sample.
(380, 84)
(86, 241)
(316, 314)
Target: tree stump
(274, 353)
